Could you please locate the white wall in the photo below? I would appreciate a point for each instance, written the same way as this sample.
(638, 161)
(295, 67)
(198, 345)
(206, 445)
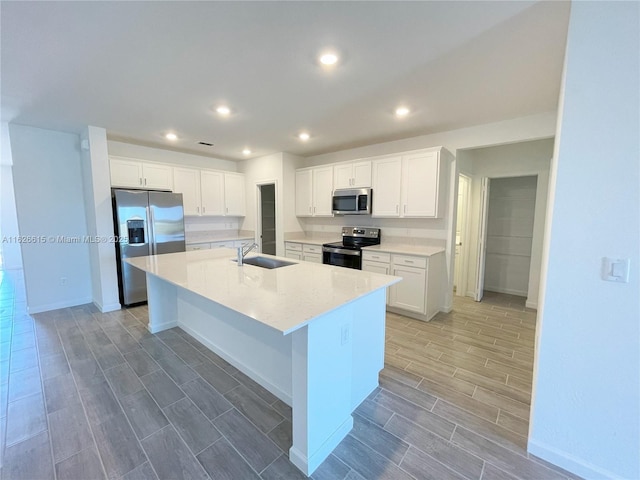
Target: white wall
(97, 195)
(585, 416)
(141, 152)
(50, 202)
(517, 159)
(11, 256)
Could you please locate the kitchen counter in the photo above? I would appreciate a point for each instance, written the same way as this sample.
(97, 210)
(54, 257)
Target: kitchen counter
(315, 240)
(206, 237)
(403, 248)
(313, 335)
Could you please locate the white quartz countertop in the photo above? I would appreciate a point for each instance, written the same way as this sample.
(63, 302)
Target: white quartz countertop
(314, 241)
(285, 298)
(421, 250)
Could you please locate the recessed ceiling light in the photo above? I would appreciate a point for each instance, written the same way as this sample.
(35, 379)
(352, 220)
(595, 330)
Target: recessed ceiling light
(304, 136)
(171, 136)
(402, 111)
(246, 151)
(328, 58)
(223, 110)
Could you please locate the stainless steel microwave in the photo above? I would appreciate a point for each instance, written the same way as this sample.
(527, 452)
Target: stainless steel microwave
(352, 201)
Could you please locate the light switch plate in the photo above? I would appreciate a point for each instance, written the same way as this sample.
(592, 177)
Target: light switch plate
(615, 269)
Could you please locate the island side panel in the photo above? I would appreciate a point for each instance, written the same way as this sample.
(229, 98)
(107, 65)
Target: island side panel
(368, 334)
(161, 298)
(260, 352)
(322, 379)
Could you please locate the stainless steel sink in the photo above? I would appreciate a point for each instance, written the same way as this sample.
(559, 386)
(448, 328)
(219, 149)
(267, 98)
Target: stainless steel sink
(266, 262)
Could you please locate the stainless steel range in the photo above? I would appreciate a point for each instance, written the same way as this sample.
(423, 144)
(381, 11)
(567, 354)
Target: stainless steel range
(348, 253)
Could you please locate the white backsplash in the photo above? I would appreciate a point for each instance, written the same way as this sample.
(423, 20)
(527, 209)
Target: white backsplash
(209, 224)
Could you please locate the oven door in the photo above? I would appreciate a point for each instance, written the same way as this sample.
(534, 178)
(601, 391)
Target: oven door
(342, 257)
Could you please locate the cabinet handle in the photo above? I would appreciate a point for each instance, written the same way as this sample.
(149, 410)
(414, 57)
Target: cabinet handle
(198, 209)
(145, 181)
(227, 210)
(397, 208)
(408, 261)
(405, 209)
(314, 209)
(140, 180)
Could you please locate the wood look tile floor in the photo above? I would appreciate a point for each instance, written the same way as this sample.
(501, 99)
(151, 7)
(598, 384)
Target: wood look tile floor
(86, 395)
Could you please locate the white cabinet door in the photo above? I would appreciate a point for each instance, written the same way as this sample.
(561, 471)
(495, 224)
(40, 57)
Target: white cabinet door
(376, 267)
(304, 193)
(343, 175)
(409, 294)
(212, 193)
(293, 254)
(125, 173)
(361, 174)
(312, 257)
(187, 182)
(234, 195)
(322, 192)
(158, 177)
(420, 185)
(386, 187)
(197, 246)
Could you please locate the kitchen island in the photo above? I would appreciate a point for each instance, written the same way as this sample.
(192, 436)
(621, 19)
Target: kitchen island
(313, 335)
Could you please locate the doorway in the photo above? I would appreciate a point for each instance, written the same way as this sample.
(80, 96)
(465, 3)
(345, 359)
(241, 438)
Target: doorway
(267, 218)
(506, 235)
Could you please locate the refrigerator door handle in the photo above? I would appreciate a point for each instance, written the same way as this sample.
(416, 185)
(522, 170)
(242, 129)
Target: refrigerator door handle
(152, 236)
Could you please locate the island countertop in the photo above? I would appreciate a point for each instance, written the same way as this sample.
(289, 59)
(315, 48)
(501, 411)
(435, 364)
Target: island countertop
(285, 298)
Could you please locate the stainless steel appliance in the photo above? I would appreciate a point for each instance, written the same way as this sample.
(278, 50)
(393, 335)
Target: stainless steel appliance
(352, 201)
(147, 223)
(348, 253)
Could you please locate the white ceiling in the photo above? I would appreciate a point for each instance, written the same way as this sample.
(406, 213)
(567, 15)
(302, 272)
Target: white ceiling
(141, 69)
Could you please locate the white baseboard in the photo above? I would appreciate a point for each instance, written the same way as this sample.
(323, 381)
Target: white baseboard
(508, 291)
(162, 326)
(110, 307)
(58, 305)
(533, 305)
(564, 460)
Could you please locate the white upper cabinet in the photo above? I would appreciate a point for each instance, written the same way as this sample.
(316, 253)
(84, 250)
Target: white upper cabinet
(187, 182)
(212, 188)
(304, 192)
(131, 173)
(352, 175)
(410, 185)
(234, 195)
(314, 191)
(209, 192)
(387, 177)
(322, 191)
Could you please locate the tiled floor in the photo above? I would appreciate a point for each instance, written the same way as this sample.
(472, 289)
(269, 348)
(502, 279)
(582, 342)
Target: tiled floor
(88, 395)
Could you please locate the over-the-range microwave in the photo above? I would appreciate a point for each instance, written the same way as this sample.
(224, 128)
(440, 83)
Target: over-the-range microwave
(352, 201)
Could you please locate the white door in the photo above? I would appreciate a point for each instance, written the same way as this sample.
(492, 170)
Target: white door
(409, 294)
(157, 176)
(386, 184)
(125, 173)
(322, 191)
(482, 245)
(304, 193)
(343, 176)
(420, 185)
(361, 174)
(462, 240)
(187, 182)
(212, 191)
(234, 196)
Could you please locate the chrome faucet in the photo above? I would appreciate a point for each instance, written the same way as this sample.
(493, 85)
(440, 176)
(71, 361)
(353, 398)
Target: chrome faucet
(243, 250)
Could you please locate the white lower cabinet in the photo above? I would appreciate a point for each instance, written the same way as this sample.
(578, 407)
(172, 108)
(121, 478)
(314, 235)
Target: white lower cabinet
(197, 246)
(293, 250)
(312, 253)
(419, 294)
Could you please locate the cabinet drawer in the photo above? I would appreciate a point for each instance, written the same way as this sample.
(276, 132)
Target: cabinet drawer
(311, 248)
(197, 246)
(376, 256)
(418, 262)
(296, 247)
(226, 244)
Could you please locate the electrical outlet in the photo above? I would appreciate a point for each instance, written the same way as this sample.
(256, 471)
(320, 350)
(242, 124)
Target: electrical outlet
(63, 281)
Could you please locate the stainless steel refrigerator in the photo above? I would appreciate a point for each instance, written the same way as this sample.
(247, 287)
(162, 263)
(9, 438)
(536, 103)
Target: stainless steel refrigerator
(147, 223)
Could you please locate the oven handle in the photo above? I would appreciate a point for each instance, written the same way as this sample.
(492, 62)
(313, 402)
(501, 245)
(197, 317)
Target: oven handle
(343, 251)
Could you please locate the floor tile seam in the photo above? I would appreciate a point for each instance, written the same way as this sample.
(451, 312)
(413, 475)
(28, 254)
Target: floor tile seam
(444, 386)
(82, 404)
(520, 452)
(91, 426)
(507, 428)
(246, 460)
(406, 399)
(422, 427)
(379, 454)
(388, 433)
(505, 397)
